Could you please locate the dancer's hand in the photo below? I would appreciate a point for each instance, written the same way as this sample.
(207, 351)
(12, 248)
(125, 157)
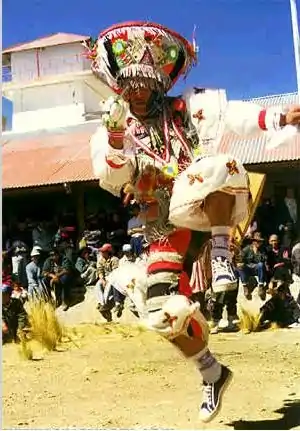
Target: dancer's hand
(116, 113)
(293, 116)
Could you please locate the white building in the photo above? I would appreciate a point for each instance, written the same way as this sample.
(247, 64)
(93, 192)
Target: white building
(50, 83)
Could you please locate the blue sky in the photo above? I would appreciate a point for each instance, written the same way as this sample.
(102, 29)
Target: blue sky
(245, 46)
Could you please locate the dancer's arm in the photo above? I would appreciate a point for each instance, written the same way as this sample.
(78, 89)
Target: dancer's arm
(243, 118)
(246, 118)
(110, 163)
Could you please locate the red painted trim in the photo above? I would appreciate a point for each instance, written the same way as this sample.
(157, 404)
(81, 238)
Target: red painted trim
(113, 165)
(262, 120)
(164, 266)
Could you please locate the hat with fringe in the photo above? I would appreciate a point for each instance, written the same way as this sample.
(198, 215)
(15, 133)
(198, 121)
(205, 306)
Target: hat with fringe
(136, 53)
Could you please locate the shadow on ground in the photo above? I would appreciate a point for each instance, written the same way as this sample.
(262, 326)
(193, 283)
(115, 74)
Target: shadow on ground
(290, 419)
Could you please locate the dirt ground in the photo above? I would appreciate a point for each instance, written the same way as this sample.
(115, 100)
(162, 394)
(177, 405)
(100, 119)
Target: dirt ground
(116, 376)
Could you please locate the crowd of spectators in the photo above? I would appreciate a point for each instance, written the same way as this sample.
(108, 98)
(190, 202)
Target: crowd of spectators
(50, 260)
(270, 251)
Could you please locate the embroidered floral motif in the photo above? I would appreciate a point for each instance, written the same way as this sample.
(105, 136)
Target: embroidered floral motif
(232, 167)
(170, 319)
(199, 115)
(194, 178)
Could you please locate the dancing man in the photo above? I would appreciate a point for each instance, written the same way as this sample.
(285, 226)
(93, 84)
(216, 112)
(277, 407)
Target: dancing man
(160, 150)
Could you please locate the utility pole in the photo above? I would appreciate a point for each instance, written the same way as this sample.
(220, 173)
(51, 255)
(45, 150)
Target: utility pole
(296, 39)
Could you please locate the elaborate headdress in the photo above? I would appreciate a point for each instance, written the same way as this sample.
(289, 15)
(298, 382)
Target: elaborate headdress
(133, 53)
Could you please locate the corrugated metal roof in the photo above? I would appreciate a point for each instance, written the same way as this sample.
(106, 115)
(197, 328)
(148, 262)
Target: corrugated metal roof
(46, 41)
(253, 149)
(46, 159)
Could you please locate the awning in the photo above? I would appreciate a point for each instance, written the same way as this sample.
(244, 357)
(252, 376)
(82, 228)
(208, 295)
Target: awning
(43, 158)
(253, 150)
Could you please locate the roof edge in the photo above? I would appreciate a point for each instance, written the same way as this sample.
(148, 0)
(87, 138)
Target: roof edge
(12, 48)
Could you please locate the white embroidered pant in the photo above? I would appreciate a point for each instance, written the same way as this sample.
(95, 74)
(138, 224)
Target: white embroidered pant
(203, 177)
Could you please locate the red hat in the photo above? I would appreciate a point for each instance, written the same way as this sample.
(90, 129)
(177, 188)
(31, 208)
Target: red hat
(105, 247)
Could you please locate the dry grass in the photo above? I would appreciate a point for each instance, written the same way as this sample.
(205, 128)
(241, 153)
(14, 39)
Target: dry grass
(249, 321)
(44, 324)
(45, 333)
(48, 334)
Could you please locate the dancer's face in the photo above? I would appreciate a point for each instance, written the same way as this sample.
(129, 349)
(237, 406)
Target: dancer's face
(138, 99)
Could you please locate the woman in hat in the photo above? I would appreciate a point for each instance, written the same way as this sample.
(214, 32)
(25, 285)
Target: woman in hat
(150, 144)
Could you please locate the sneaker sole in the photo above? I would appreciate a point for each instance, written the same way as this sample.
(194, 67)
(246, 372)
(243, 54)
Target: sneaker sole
(219, 405)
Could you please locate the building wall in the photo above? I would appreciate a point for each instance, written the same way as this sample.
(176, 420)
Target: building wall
(53, 60)
(91, 99)
(48, 106)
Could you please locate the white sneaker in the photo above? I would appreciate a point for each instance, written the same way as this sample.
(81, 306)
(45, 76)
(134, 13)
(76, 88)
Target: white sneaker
(213, 394)
(223, 276)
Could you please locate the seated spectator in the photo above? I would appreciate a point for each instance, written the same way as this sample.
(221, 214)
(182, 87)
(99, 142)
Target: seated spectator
(107, 262)
(86, 267)
(64, 239)
(14, 316)
(277, 255)
(92, 240)
(281, 308)
(58, 274)
(128, 256)
(136, 231)
(253, 263)
(34, 276)
(18, 290)
(19, 262)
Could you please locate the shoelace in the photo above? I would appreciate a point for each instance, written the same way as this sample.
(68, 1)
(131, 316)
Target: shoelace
(221, 266)
(207, 394)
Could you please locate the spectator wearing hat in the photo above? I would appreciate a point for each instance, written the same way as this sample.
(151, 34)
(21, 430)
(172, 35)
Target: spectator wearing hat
(106, 263)
(128, 256)
(34, 275)
(86, 267)
(14, 316)
(58, 274)
(253, 263)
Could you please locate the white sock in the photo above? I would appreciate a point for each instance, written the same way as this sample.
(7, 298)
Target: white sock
(208, 366)
(220, 242)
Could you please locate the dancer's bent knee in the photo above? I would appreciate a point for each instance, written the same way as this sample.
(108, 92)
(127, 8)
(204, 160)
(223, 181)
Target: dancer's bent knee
(180, 321)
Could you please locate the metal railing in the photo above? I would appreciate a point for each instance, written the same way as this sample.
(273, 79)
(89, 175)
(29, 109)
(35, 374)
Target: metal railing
(41, 67)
